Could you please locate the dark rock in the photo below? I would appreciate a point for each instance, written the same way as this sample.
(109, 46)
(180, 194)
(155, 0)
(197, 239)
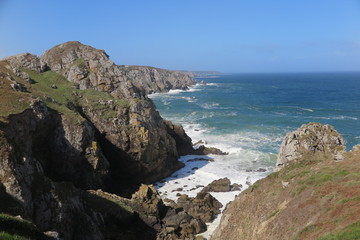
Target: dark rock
(236, 187)
(18, 87)
(54, 86)
(203, 206)
(202, 150)
(200, 159)
(220, 185)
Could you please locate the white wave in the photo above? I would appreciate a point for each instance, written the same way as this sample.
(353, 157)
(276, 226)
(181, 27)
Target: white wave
(307, 109)
(209, 105)
(337, 118)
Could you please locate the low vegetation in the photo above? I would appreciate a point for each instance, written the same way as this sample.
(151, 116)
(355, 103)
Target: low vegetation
(58, 93)
(17, 229)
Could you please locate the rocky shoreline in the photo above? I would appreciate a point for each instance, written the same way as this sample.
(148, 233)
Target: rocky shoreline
(80, 142)
(72, 123)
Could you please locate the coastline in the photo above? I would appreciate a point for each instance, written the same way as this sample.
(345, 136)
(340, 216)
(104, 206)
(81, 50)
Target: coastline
(199, 171)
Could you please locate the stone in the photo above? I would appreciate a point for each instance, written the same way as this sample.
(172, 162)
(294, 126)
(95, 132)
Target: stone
(220, 185)
(203, 206)
(309, 139)
(25, 60)
(236, 187)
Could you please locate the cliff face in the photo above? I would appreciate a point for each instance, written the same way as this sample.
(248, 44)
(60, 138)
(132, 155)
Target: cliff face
(124, 121)
(152, 80)
(311, 196)
(92, 68)
(71, 121)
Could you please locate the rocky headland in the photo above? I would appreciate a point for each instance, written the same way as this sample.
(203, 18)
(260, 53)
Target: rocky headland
(78, 136)
(80, 141)
(314, 194)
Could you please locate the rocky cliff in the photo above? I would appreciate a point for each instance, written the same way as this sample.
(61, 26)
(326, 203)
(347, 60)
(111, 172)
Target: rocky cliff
(312, 196)
(72, 121)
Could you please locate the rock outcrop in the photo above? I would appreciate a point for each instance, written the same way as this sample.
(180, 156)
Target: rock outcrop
(312, 196)
(82, 124)
(154, 80)
(92, 68)
(312, 137)
(204, 206)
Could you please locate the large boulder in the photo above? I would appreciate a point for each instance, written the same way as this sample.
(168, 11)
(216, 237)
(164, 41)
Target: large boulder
(220, 185)
(309, 139)
(203, 206)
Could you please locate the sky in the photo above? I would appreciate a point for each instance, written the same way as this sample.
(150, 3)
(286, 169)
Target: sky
(226, 36)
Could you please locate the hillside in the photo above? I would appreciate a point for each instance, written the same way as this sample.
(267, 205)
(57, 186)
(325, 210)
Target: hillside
(313, 196)
(72, 122)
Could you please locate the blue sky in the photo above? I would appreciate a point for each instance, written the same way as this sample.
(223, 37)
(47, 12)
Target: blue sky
(227, 35)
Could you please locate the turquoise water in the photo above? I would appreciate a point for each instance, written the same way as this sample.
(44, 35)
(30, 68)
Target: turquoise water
(248, 116)
(257, 110)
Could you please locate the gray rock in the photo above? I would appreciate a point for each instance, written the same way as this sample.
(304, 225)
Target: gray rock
(220, 185)
(310, 138)
(25, 60)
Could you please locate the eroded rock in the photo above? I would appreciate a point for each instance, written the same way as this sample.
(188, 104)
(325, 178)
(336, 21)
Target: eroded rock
(310, 138)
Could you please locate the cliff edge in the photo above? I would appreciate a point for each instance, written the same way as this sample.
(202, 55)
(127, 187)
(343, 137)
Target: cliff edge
(312, 197)
(72, 122)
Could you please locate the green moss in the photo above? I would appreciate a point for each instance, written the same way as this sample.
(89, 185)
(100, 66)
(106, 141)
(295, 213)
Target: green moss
(351, 232)
(16, 226)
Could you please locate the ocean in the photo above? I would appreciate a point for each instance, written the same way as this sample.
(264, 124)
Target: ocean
(248, 116)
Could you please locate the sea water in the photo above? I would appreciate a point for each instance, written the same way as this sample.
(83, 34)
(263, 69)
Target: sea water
(248, 115)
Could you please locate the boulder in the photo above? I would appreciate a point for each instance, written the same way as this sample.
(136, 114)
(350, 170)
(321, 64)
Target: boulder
(203, 150)
(310, 138)
(203, 206)
(220, 185)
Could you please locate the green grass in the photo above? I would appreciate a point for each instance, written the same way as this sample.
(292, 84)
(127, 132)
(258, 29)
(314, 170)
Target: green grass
(64, 94)
(354, 199)
(274, 213)
(351, 232)
(306, 229)
(16, 226)
(7, 236)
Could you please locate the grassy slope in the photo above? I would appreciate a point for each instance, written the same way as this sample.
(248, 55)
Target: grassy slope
(13, 228)
(316, 198)
(14, 102)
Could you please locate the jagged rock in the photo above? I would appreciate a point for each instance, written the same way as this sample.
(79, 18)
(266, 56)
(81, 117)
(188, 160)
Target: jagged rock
(302, 200)
(18, 87)
(202, 150)
(183, 141)
(151, 80)
(310, 138)
(203, 206)
(26, 60)
(220, 185)
(144, 146)
(49, 158)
